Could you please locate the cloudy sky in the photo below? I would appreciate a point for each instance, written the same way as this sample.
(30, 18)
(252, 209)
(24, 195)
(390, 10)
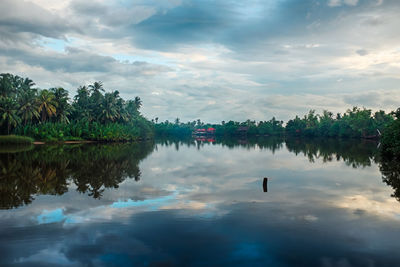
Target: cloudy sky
(212, 60)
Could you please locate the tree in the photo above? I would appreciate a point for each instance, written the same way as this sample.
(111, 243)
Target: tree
(47, 104)
(138, 103)
(7, 88)
(28, 106)
(96, 88)
(109, 109)
(63, 107)
(9, 112)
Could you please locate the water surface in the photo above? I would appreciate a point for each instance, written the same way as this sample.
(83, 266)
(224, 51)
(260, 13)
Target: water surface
(324, 203)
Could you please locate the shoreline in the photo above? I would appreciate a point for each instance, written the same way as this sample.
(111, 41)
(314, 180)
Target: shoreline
(64, 142)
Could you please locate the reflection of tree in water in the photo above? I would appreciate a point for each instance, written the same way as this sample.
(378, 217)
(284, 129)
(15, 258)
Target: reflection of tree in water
(270, 143)
(390, 169)
(355, 153)
(50, 169)
(93, 168)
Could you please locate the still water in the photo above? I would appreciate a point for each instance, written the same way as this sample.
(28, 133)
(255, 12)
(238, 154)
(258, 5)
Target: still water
(324, 203)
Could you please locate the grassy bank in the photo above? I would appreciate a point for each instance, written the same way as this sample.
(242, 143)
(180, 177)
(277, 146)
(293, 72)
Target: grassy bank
(80, 130)
(15, 140)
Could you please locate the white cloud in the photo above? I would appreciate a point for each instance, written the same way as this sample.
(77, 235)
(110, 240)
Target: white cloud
(334, 3)
(351, 2)
(337, 3)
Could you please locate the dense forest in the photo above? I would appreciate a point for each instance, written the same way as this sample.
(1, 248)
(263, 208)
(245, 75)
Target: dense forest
(50, 114)
(354, 123)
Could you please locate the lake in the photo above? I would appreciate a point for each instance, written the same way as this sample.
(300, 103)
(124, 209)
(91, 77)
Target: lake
(266, 202)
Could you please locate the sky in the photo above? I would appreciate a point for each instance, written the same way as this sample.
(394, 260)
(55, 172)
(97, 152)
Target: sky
(212, 60)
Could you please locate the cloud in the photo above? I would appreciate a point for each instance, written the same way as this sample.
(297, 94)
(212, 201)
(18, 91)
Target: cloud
(362, 52)
(27, 17)
(212, 60)
(78, 60)
(336, 3)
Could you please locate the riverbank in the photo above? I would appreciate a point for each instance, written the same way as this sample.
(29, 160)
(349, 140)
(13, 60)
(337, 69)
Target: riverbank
(15, 140)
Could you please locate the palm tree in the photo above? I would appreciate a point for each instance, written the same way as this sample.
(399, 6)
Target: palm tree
(138, 103)
(109, 109)
(63, 107)
(82, 96)
(97, 87)
(47, 104)
(9, 113)
(96, 98)
(27, 83)
(7, 88)
(28, 106)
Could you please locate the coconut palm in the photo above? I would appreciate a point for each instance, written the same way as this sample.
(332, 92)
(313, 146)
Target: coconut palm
(130, 109)
(9, 113)
(138, 103)
(63, 107)
(47, 104)
(96, 98)
(7, 88)
(109, 108)
(96, 87)
(27, 83)
(28, 106)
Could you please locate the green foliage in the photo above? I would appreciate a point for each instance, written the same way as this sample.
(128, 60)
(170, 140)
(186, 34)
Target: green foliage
(15, 140)
(50, 169)
(83, 130)
(9, 113)
(46, 114)
(229, 129)
(390, 142)
(177, 129)
(355, 123)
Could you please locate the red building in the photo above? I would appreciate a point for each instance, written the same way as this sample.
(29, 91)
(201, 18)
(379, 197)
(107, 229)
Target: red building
(202, 131)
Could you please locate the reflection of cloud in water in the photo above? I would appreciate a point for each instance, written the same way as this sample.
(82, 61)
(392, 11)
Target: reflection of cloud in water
(152, 204)
(174, 201)
(52, 216)
(210, 207)
(388, 207)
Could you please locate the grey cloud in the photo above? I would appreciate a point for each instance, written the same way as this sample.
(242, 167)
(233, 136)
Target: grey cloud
(101, 14)
(22, 17)
(290, 51)
(382, 99)
(362, 52)
(78, 60)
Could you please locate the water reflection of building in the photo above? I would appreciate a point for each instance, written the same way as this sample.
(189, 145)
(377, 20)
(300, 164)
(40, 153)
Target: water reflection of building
(205, 139)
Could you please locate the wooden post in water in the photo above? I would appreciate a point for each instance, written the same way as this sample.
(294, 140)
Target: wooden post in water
(265, 184)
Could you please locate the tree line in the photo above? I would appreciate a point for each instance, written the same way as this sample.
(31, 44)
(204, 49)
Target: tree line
(354, 123)
(50, 114)
(93, 114)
